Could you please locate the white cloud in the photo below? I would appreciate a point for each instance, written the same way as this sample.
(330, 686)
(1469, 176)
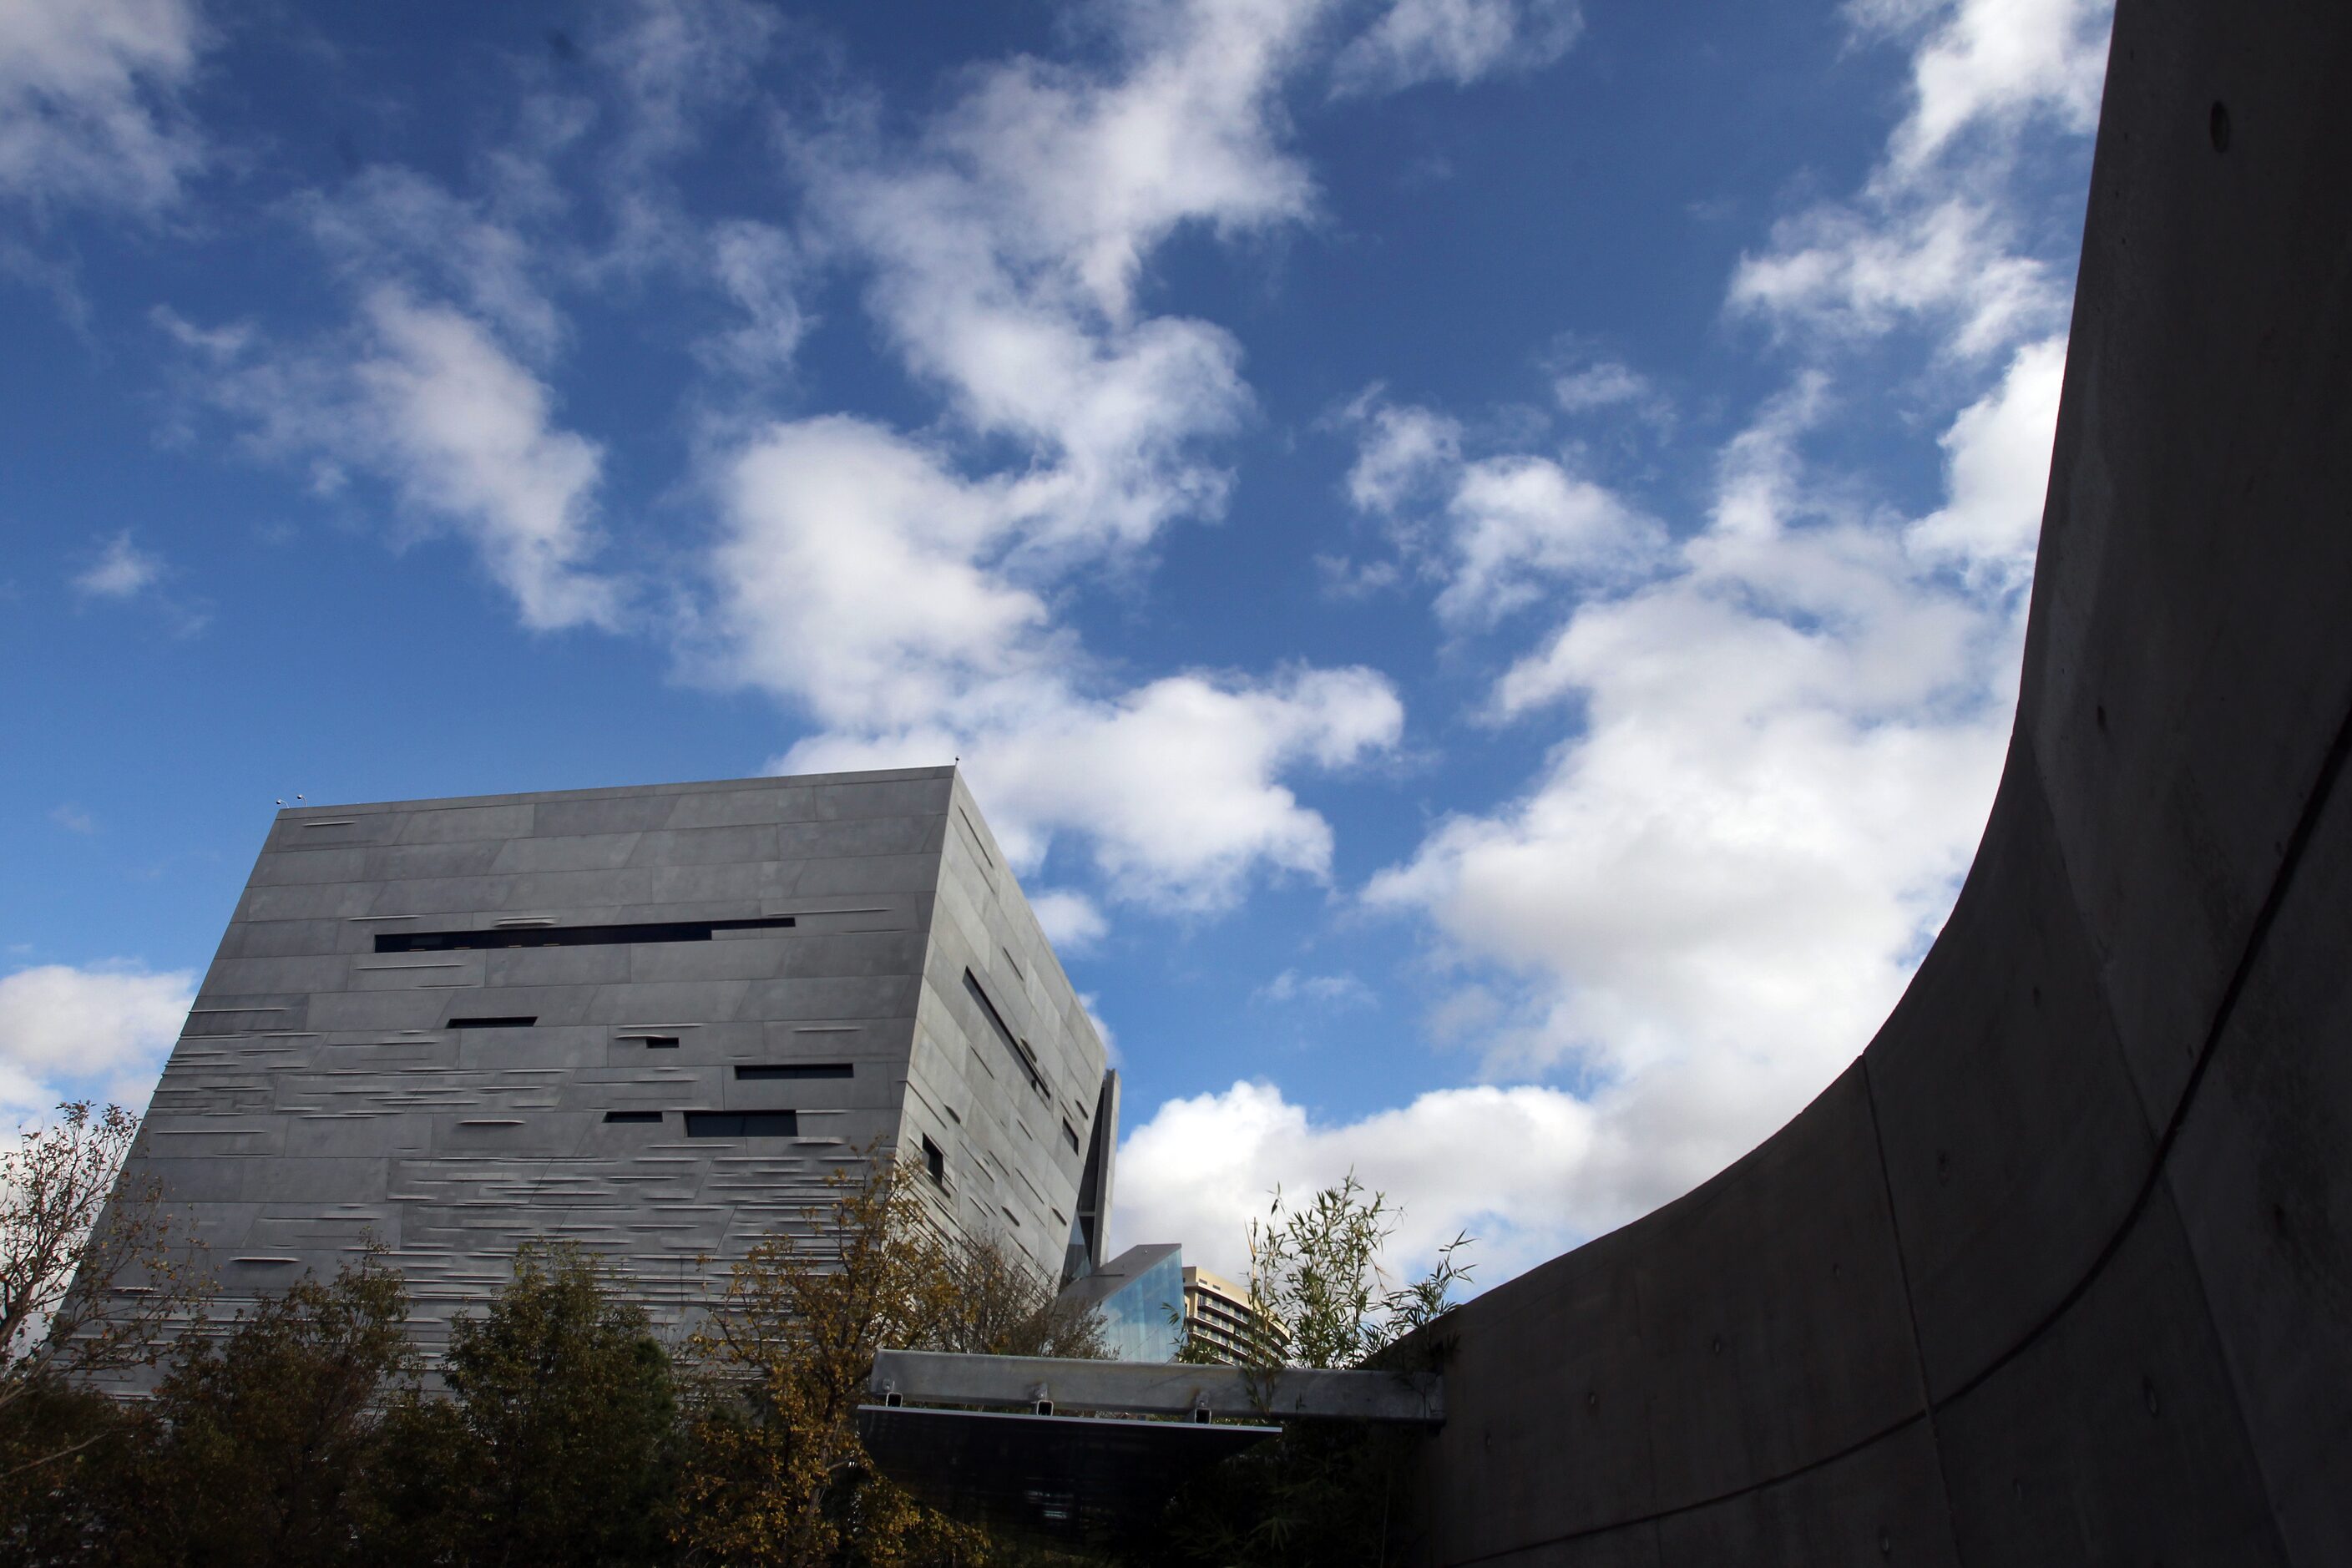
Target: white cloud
(1456, 41)
(466, 435)
(424, 397)
(1515, 1168)
(1498, 532)
(1404, 455)
(1997, 467)
(1324, 990)
(1522, 525)
(392, 225)
(907, 596)
(104, 1030)
(1712, 894)
(1934, 235)
(1997, 63)
(1846, 275)
(1175, 784)
(1072, 921)
(73, 818)
(758, 266)
(121, 571)
(1608, 383)
(90, 107)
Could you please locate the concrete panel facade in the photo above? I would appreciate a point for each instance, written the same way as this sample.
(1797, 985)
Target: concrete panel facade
(2061, 1271)
(328, 1088)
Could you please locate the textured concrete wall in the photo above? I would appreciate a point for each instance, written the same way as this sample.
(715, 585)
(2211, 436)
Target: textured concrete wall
(320, 1094)
(2061, 1271)
(1004, 1130)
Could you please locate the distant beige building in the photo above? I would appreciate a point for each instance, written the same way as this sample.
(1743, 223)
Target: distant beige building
(1218, 1317)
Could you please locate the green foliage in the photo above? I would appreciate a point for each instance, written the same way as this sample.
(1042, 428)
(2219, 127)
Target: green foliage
(555, 1444)
(774, 1472)
(59, 1446)
(302, 1433)
(1321, 1495)
(1317, 1272)
(261, 1446)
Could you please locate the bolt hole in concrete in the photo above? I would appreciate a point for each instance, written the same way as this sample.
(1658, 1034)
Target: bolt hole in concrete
(2218, 125)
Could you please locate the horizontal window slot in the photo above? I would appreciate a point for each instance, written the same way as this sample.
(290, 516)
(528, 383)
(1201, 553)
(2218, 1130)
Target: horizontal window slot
(633, 1116)
(742, 1124)
(798, 1070)
(503, 1021)
(569, 936)
(655, 1042)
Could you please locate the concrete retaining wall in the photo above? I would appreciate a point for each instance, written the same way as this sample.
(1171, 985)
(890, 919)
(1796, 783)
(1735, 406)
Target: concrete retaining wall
(2061, 1270)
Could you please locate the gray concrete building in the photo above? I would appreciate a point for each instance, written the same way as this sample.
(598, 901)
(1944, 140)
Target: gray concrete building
(653, 1021)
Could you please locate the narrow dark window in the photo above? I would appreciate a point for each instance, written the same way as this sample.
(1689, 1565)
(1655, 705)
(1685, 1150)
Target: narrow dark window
(935, 1162)
(742, 1124)
(633, 1116)
(798, 1070)
(518, 1021)
(660, 1042)
(1004, 1033)
(1014, 1217)
(568, 936)
(1069, 1135)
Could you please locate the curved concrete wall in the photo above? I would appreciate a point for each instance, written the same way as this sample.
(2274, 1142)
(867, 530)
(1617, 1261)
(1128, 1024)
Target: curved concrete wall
(2061, 1270)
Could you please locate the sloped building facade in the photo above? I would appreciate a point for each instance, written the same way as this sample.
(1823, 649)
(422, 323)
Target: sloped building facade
(653, 1021)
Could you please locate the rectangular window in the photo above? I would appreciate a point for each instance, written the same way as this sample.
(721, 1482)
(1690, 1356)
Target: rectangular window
(568, 936)
(1004, 1033)
(659, 1042)
(633, 1116)
(518, 1021)
(1069, 1135)
(935, 1161)
(742, 1124)
(796, 1070)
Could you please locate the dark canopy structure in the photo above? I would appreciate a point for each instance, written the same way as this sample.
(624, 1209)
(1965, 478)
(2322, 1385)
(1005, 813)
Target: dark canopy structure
(2061, 1271)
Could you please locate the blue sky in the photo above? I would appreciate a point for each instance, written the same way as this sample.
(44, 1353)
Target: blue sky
(1476, 548)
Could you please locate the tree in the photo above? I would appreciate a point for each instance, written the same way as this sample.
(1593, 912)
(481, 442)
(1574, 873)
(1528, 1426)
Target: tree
(998, 1304)
(262, 1446)
(87, 1287)
(1318, 1274)
(776, 1472)
(1323, 1493)
(555, 1444)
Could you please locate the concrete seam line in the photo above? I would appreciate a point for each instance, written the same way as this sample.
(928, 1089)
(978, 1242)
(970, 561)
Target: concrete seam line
(1910, 1306)
(1734, 1495)
(2313, 806)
